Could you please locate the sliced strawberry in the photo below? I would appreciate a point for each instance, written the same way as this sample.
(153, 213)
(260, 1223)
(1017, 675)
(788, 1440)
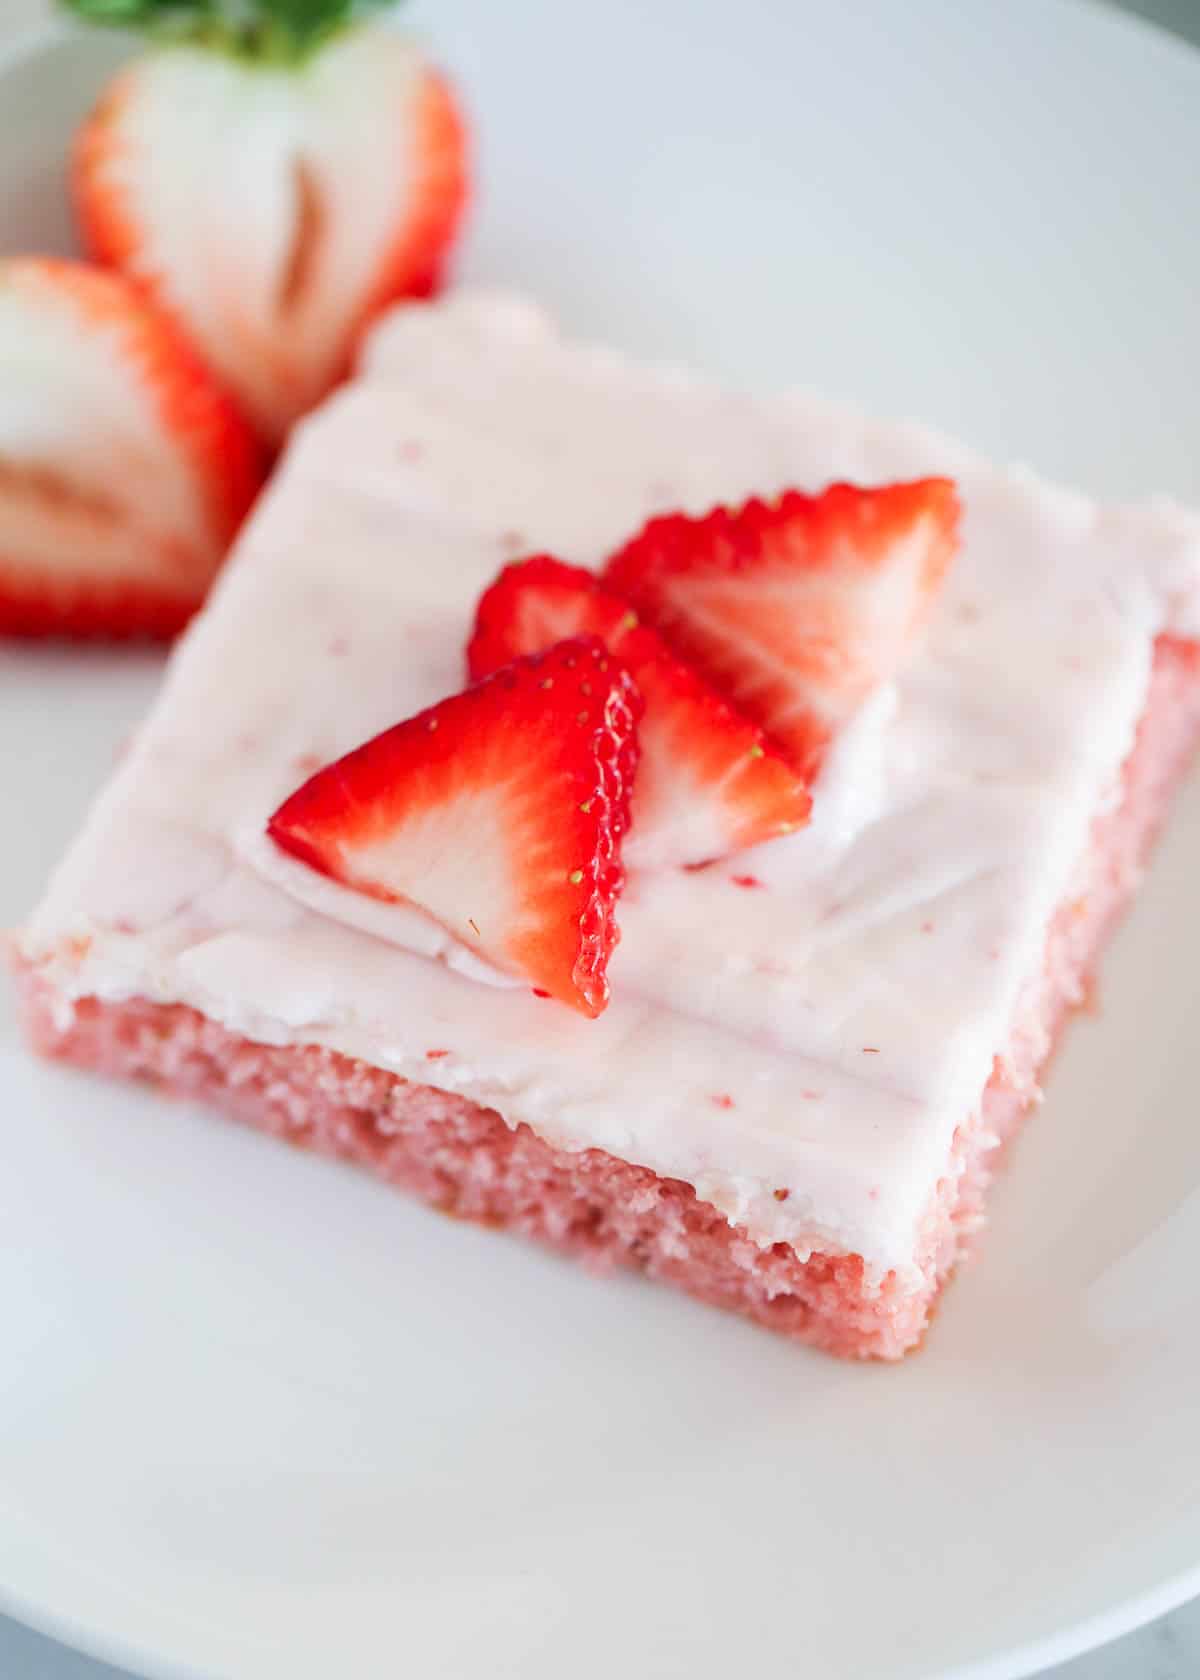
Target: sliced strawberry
(796, 608)
(709, 782)
(273, 197)
(124, 469)
(500, 812)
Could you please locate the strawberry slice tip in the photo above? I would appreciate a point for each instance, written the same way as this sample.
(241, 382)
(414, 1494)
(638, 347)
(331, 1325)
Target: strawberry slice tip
(798, 607)
(500, 812)
(709, 782)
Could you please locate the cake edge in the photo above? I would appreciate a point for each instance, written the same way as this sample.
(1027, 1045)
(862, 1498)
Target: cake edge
(466, 1160)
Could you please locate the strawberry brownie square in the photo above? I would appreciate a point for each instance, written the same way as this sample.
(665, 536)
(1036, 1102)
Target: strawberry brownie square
(862, 775)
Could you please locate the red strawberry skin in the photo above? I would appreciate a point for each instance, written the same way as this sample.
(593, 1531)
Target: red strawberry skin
(539, 601)
(796, 608)
(136, 467)
(500, 811)
(412, 266)
(710, 782)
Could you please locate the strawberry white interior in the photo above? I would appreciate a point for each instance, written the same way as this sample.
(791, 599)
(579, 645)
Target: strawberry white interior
(458, 864)
(697, 827)
(88, 459)
(824, 1030)
(297, 155)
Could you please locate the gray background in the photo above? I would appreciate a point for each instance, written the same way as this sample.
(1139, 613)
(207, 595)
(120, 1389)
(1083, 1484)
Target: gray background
(1167, 1650)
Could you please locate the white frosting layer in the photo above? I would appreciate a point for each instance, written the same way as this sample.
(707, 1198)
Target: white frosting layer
(823, 1031)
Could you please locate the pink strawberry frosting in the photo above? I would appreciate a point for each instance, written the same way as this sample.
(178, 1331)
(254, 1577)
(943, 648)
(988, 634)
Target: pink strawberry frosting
(824, 1031)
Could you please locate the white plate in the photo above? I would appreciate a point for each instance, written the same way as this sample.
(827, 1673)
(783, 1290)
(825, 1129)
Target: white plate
(261, 1418)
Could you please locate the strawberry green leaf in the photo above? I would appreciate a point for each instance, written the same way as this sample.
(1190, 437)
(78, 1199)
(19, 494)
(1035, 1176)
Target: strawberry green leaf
(266, 31)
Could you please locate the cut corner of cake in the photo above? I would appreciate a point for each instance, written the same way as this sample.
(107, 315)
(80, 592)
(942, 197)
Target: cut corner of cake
(814, 1049)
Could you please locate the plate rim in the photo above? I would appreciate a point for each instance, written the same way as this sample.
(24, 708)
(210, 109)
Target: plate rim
(94, 1637)
(152, 1661)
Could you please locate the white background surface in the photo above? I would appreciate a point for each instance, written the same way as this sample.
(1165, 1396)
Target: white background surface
(1034, 301)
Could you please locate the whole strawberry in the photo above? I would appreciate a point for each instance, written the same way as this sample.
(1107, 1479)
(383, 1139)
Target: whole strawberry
(272, 172)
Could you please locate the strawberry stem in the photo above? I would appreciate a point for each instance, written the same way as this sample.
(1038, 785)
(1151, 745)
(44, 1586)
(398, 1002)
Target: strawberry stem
(267, 32)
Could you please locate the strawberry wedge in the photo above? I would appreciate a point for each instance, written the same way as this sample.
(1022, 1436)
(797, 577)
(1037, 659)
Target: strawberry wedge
(124, 468)
(709, 782)
(796, 609)
(500, 812)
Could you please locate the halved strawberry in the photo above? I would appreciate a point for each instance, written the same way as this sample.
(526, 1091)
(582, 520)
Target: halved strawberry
(272, 178)
(709, 782)
(796, 608)
(500, 811)
(124, 468)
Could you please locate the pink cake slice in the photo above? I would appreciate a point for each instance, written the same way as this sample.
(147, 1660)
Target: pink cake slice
(794, 1104)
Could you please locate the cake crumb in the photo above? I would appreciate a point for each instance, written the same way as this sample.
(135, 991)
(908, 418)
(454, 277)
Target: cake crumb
(870, 1050)
(512, 542)
(811, 1096)
(435, 1055)
(538, 992)
(306, 763)
(722, 1099)
(745, 880)
(781, 1195)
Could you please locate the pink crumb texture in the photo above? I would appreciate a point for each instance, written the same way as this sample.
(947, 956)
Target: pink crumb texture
(467, 1161)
